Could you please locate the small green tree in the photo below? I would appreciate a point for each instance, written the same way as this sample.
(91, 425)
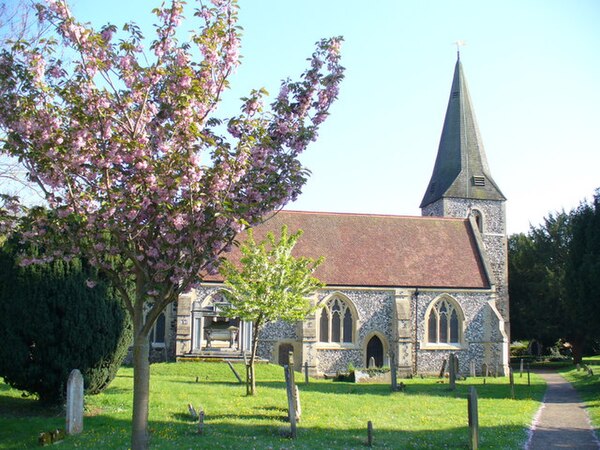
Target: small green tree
(270, 284)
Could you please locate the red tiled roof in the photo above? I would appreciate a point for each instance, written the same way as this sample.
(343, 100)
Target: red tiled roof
(379, 250)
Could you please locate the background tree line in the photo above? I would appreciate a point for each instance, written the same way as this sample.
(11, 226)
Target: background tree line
(554, 273)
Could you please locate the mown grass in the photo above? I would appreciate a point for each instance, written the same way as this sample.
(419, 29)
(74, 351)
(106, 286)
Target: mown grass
(334, 415)
(588, 386)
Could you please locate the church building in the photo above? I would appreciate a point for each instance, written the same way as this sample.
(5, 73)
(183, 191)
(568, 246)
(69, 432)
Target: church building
(401, 290)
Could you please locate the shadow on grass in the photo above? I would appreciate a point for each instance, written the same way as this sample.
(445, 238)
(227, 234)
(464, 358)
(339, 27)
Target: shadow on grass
(231, 431)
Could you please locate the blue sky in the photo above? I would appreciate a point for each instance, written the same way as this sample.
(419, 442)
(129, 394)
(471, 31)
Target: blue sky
(533, 69)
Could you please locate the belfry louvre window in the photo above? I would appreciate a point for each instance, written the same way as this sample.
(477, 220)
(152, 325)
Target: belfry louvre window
(444, 323)
(337, 322)
(478, 180)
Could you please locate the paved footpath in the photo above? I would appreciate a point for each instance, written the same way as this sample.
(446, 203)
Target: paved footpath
(562, 421)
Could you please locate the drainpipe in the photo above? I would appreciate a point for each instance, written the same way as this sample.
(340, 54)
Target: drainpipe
(416, 297)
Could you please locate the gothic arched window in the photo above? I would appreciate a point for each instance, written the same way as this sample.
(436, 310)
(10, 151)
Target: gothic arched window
(444, 323)
(478, 219)
(337, 322)
(158, 332)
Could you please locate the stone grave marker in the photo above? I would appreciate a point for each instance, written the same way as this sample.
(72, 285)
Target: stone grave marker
(473, 419)
(521, 369)
(472, 368)
(443, 369)
(451, 371)
(75, 402)
(371, 363)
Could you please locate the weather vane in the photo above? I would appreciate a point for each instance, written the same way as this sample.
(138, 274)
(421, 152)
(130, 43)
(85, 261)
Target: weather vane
(459, 44)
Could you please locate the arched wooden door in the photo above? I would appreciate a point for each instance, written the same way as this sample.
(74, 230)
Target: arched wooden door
(375, 351)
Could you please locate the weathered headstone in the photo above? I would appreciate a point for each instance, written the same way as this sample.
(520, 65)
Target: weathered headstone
(473, 420)
(452, 372)
(74, 403)
(192, 411)
(521, 369)
(371, 363)
(484, 370)
(443, 370)
(201, 422)
(472, 368)
(456, 365)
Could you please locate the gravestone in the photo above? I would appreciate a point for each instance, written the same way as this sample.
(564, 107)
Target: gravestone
(472, 367)
(443, 368)
(484, 370)
(75, 403)
(473, 419)
(371, 363)
(452, 371)
(521, 369)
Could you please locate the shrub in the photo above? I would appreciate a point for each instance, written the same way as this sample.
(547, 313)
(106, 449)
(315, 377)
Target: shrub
(52, 323)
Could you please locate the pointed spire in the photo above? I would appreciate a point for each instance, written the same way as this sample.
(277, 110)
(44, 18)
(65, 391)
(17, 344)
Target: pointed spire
(461, 169)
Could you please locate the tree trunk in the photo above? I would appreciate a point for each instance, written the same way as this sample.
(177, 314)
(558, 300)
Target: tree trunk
(140, 439)
(250, 379)
(250, 384)
(577, 350)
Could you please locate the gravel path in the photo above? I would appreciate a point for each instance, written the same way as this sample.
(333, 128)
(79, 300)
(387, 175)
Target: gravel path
(562, 421)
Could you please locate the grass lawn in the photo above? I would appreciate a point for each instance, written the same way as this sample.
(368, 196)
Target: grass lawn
(334, 415)
(588, 387)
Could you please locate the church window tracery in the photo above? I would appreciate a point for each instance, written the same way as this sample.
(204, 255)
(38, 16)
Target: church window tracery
(444, 323)
(336, 322)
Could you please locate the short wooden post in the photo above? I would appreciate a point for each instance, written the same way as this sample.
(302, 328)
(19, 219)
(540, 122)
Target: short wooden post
(528, 376)
(473, 420)
(291, 394)
(306, 380)
(235, 372)
(512, 383)
(370, 433)
(452, 371)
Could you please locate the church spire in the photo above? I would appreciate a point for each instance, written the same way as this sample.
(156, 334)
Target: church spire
(461, 169)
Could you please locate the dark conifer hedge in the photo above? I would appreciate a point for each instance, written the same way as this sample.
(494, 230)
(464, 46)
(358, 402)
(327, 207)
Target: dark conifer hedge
(51, 322)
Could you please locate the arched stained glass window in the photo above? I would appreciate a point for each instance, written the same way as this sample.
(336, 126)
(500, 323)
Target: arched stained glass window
(337, 322)
(444, 323)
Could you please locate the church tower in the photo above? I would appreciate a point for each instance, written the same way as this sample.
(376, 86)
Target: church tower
(462, 186)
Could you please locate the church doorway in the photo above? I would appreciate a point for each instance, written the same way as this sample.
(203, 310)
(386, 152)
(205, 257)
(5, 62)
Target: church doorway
(375, 351)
